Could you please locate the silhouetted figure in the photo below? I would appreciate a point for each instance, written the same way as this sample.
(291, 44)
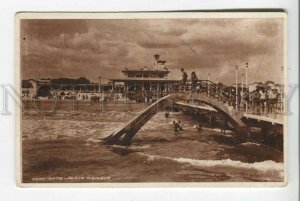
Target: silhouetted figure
(199, 127)
(167, 114)
(184, 79)
(262, 96)
(177, 126)
(184, 76)
(194, 80)
(256, 100)
(224, 126)
(180, 125)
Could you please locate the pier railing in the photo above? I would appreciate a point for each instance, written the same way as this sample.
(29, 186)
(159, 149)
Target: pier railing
(243, 100)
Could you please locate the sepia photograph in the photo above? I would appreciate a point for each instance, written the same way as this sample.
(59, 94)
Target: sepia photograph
(152, 99)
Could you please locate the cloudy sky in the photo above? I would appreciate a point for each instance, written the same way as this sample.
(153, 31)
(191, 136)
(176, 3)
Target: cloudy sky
(92, 48)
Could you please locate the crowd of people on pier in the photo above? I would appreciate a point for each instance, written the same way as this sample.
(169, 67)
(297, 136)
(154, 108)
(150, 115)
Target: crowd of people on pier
(262, 100)
(145, 96)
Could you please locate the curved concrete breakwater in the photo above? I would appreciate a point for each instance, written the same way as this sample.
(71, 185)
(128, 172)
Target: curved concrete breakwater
(65, 145)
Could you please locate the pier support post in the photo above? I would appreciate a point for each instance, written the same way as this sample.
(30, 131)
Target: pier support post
(243, 133)
(210, 119)
(113, 86)
(264, 132)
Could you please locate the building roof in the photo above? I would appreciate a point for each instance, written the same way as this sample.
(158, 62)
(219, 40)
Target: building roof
(143, 79)
(145, 70)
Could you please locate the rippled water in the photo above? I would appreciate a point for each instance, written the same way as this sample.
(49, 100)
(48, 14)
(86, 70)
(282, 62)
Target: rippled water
(67, 144)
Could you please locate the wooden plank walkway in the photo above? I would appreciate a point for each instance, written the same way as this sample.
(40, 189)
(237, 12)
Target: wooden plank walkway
(278, 120)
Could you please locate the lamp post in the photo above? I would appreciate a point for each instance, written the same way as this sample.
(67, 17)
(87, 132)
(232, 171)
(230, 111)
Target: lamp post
(236, 87)
(242, 82)
(246, 76)
(208, 77)
(247, 90)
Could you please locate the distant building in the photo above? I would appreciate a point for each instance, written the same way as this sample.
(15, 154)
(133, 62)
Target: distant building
(145, 79)
(267, 85)
(43, 81)
(29, 88)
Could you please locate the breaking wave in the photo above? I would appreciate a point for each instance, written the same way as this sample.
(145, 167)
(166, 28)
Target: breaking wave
(262, 170)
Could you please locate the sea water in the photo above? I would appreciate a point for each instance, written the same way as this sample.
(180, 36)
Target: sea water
(65, 144)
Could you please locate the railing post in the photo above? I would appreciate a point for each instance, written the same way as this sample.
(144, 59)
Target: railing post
(207, 85)
(73, 98)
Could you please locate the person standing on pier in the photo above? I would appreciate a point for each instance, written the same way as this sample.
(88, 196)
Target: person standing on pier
(145, 97)
(256, 100)
(262, 101)
(271, 99)
(184, 78)
(194, 80)
(246, 98)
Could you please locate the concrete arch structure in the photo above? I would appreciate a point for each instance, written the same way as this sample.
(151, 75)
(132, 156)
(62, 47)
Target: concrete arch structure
(124, 135)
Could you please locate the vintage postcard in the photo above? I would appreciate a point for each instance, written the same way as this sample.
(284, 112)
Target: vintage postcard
(151, 99)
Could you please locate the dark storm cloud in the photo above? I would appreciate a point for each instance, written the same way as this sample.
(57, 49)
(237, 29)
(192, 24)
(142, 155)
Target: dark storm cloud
(55, 48)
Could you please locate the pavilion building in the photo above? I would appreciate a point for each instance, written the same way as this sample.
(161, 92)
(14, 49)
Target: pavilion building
(145, 79)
